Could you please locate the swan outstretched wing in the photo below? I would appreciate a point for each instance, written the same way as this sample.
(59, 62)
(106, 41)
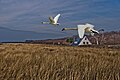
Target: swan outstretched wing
(56, 18)
(89, 25)
(81, 30)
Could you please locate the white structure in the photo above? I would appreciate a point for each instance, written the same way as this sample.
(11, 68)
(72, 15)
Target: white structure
(85, 41)
(82, 29)
(53, 21)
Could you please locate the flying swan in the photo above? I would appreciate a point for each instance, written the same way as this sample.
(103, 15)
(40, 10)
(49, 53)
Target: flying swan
(82, 29)
(53, 21)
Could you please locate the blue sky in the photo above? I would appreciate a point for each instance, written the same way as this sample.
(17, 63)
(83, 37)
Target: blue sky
(27, 15)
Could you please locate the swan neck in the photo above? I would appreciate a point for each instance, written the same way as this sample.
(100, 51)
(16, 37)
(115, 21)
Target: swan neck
(70, 28)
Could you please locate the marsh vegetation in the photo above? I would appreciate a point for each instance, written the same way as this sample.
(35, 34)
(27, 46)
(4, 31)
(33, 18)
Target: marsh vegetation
(50, 62)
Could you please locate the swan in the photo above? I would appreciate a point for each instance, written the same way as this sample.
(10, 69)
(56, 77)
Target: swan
(87, 28)
(53, 21)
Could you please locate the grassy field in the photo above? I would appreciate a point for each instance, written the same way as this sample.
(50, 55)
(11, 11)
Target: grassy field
(48, 62)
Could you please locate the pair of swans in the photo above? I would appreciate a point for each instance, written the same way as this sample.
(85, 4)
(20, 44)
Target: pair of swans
(82, 29)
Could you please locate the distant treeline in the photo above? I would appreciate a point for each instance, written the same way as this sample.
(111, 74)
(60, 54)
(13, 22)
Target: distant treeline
(104, 38)
(108, 38)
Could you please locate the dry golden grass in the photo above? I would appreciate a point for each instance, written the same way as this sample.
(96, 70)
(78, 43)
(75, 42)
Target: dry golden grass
(48, 62)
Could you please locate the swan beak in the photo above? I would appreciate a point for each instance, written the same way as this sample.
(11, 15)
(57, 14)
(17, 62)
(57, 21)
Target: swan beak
(63, 29)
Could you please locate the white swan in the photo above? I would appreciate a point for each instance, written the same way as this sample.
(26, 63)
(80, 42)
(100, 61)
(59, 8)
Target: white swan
(87, 28)
(53, 21)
